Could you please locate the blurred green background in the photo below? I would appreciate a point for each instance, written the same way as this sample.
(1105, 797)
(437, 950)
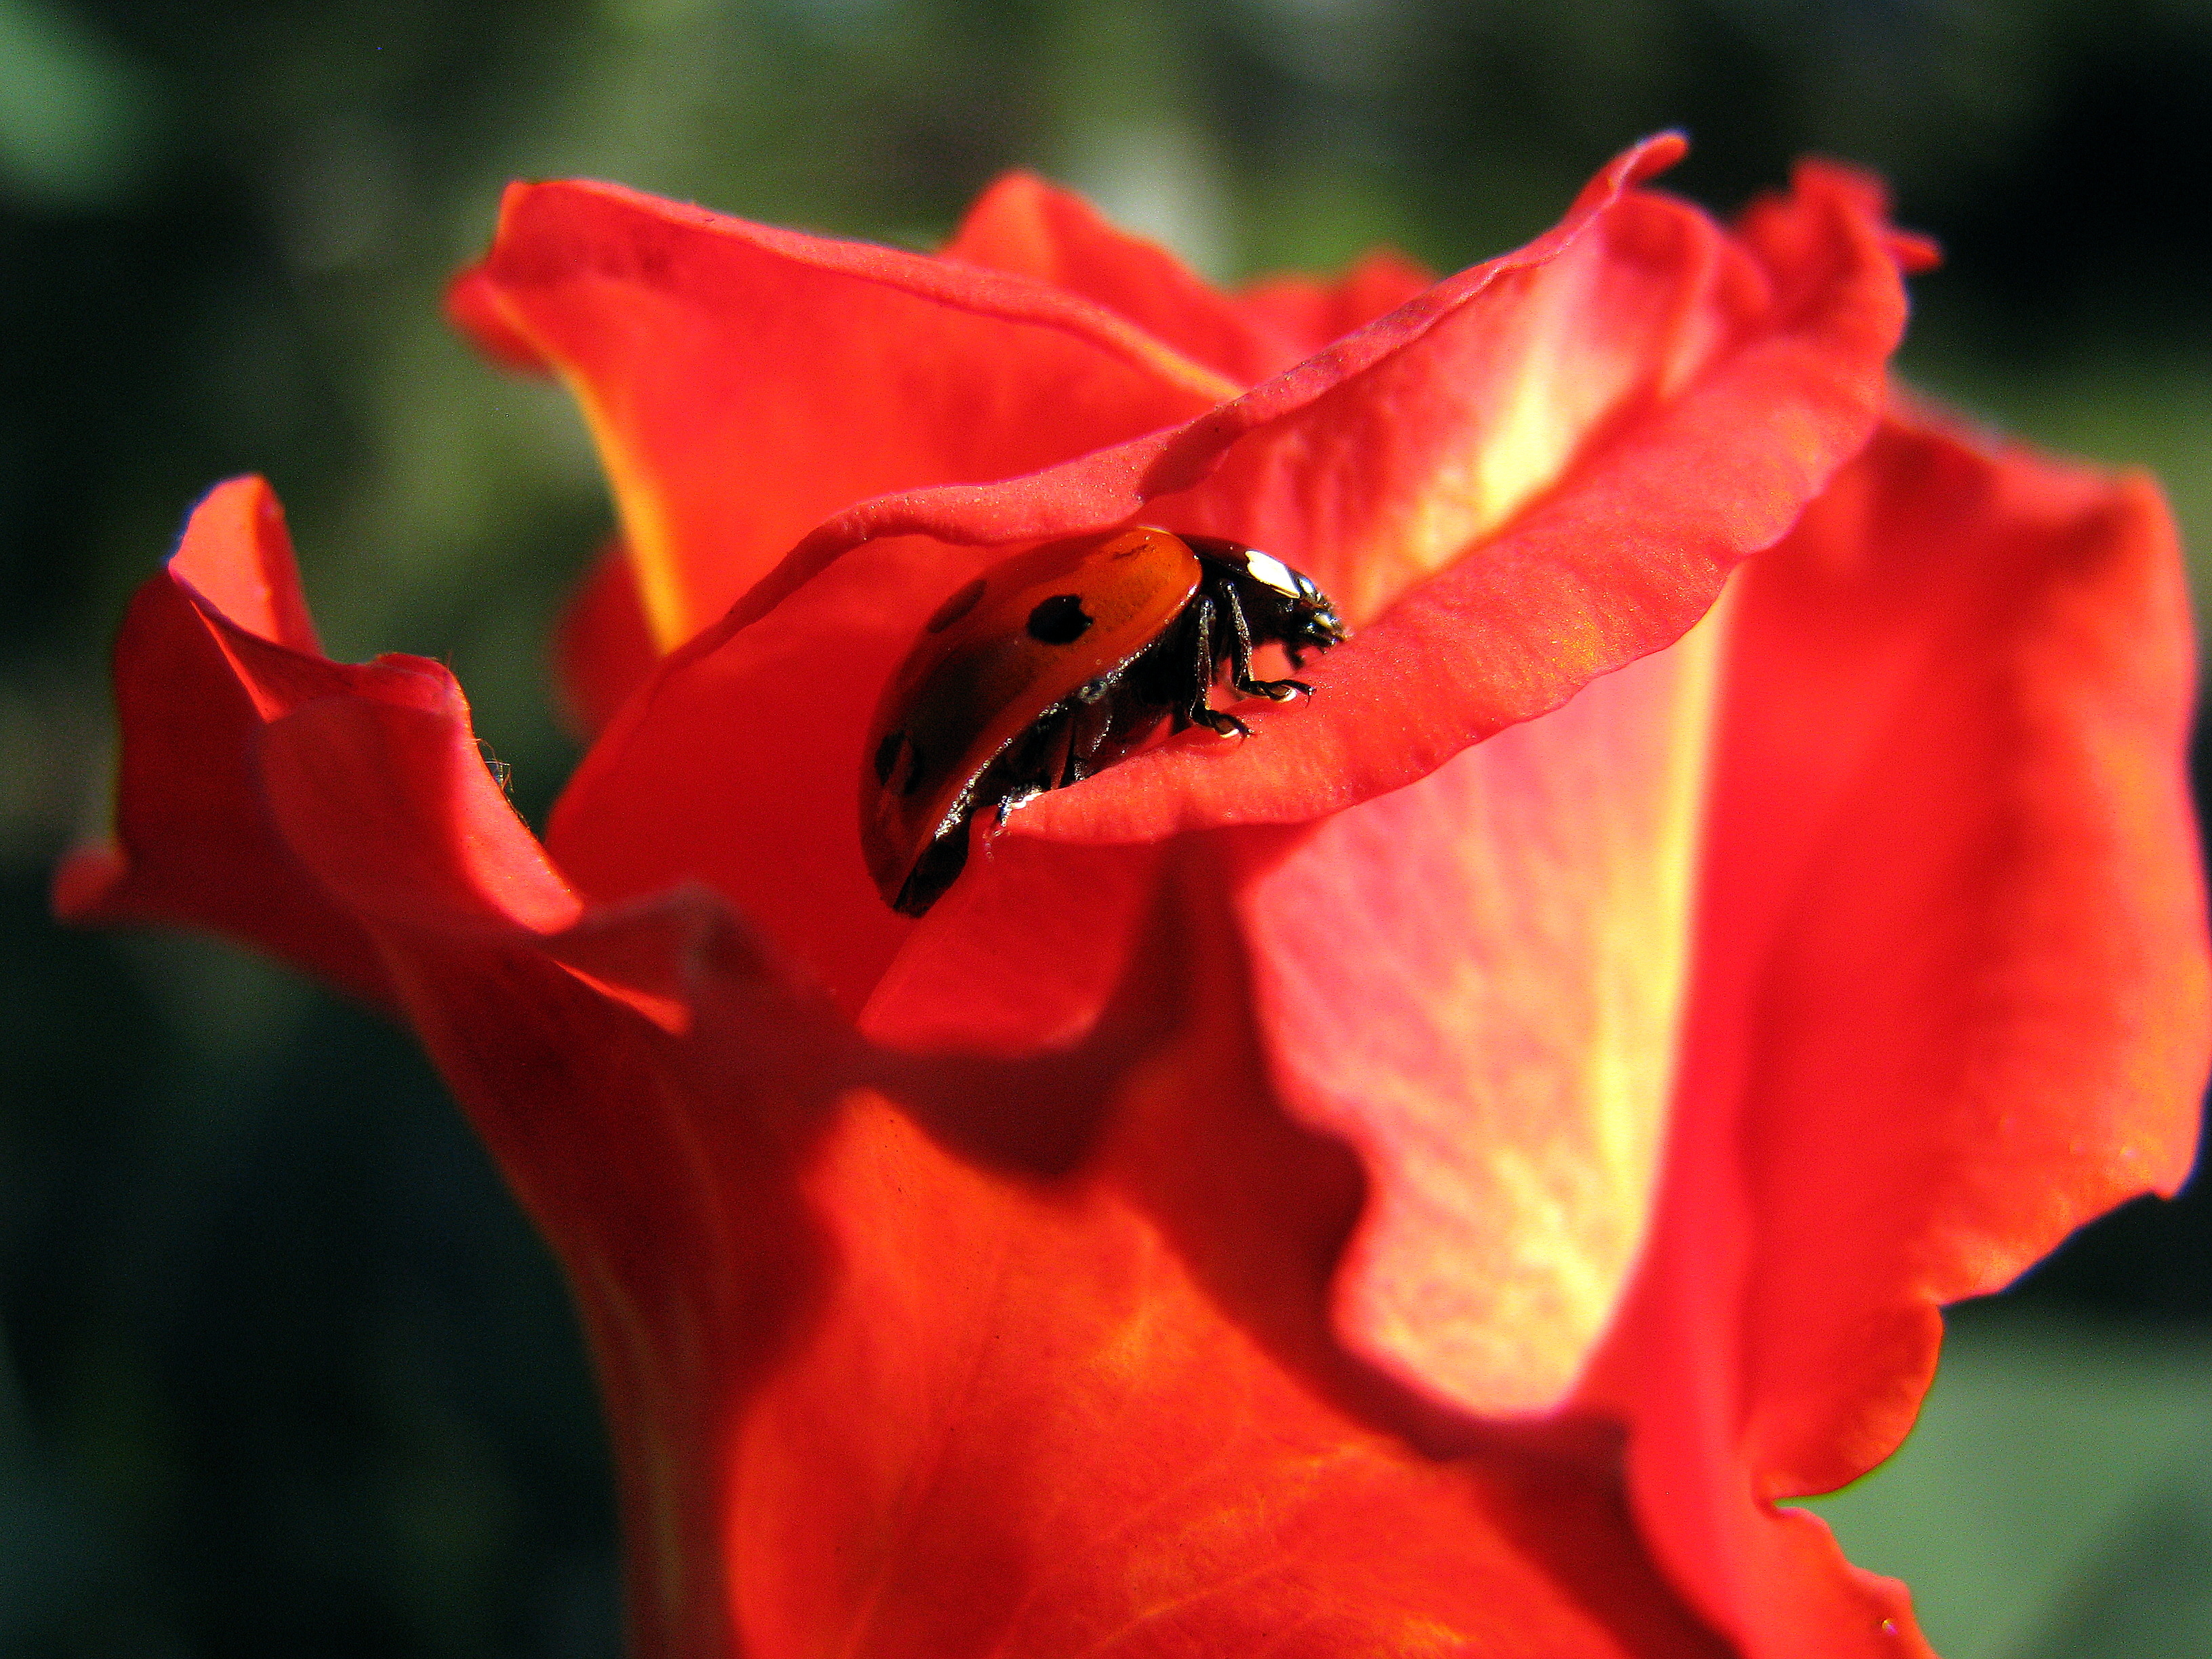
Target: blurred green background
(282, 1371)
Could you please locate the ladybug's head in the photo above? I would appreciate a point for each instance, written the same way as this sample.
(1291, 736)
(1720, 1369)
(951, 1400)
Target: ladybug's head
(1316, 616)
(1305, 616)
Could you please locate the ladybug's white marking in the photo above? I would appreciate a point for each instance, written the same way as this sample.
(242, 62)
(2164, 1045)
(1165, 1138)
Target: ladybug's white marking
(1271, 572)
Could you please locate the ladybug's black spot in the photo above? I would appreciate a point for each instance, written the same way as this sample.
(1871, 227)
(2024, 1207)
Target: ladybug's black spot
(887, 755)
(894, 744)
(958, 605)
(911, 784)
(1058, 620)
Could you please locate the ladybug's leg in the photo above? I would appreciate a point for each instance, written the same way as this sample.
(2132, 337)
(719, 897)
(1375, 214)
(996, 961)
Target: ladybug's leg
(1240, 639)
(1040, 756)
(1071, 757)
(1062, 753)
(1190, 634)
(1199, 711)
(1240, 657)
(1089, 723)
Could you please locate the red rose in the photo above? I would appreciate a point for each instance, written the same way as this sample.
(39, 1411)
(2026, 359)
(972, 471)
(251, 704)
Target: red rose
(1362, 1190)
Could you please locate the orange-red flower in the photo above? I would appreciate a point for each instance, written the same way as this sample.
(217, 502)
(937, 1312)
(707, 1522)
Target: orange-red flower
(1429, 1179)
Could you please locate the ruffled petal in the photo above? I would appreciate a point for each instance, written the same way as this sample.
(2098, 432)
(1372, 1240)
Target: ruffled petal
(1030, 227)
(744, 382)
(215, 647)
(1027, 226)
(1950, 996)
(1311, 312)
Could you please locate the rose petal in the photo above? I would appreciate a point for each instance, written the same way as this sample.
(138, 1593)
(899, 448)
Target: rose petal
(393, 810)
(744, 382)
(1026, 960)
(1950, 996)
(898, 1491)
(1477, 983)
(215, 647)
(603, 650)
(1027, 226)
(1031, 228)
(1312, 313)
(1422, 457)
(742, 771)
(237, 555)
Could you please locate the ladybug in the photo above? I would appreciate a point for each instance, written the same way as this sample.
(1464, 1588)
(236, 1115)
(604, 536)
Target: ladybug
(1055, 664)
